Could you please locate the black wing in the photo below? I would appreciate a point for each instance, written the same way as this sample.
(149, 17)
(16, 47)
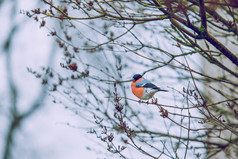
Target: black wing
(150, 85)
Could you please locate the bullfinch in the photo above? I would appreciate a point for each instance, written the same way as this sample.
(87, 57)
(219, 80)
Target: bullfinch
(143, 88)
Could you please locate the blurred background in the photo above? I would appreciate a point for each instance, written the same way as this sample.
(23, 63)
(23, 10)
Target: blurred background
(43, 133)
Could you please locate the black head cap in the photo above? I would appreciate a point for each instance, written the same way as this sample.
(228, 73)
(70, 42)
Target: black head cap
(136, 77)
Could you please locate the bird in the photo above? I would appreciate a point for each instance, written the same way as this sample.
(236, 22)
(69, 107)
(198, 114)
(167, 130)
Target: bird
(143, 88)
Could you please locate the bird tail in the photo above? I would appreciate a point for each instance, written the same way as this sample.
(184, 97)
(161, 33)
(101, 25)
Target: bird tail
(159, 89)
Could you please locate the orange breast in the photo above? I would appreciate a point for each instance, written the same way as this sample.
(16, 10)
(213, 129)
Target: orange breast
(137, 91)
